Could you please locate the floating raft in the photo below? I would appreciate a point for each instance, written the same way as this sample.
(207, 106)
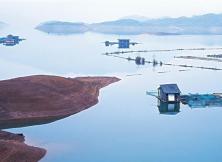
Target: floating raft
(202, 100)
(163, 50)
(215, 56)
(160, 63)
(198, 58)
(197, 100)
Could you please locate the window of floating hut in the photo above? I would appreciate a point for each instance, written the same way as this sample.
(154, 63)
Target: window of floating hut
(124, 43)
(169, 93)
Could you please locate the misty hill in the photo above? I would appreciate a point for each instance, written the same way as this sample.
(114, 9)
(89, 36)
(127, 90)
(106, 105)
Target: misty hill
(204, 24)
(58, 27)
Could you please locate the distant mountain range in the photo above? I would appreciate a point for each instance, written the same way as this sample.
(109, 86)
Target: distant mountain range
(205, 24)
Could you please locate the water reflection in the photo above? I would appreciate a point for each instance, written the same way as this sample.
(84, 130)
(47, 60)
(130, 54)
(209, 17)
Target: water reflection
(202, 100)
(18, 123)
(168, 108)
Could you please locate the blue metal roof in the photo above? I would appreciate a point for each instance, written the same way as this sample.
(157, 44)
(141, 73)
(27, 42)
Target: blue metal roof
(170, 88)
(124, 43)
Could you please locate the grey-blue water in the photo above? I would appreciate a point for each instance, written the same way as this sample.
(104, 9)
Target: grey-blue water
(126, 125)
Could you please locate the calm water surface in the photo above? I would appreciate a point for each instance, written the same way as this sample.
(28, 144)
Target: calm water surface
(126, 125)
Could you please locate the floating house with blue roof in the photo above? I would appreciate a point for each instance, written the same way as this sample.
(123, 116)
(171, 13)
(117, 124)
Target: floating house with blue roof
(10, 40)
(122, 43)
(169, 93)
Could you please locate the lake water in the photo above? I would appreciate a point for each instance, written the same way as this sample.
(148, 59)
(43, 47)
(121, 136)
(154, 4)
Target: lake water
(126, 125)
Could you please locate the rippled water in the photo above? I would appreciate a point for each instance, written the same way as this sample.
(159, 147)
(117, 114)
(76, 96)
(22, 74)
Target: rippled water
(126, 125)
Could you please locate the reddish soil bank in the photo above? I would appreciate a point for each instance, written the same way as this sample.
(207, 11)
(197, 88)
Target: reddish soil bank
(13, 149)
(41, 99)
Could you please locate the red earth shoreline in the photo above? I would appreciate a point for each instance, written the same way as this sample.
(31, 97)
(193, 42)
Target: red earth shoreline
(41, 99)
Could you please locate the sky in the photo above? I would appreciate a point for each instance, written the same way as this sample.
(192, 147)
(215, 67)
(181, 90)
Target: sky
(37, 11)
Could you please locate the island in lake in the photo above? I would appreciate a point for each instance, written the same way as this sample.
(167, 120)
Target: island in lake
(210, 24)
(41, 99)
(64, 28)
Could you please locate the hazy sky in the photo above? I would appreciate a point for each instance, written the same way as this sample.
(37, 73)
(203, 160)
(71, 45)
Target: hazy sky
(35, 11)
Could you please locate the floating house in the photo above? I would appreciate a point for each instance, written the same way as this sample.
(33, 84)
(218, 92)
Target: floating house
(107, 43)
(124, 43)
(168, 108)
(140, 60)
(169, 93)
(10, 40)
